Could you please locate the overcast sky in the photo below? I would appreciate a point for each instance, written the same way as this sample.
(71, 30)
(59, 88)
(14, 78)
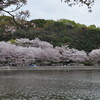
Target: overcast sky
(54, 9)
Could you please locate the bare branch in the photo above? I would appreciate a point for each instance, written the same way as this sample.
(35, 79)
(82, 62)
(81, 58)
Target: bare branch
(88, 3)
(17, 4)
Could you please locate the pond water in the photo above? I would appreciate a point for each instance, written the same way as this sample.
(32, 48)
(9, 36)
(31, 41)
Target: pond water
(50, 85)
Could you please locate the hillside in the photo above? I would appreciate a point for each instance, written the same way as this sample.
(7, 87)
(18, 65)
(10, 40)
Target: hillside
(61, 32)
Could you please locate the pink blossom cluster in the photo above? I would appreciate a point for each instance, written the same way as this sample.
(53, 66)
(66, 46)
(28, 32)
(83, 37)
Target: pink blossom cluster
(26, 52)
(94, 56)
(33, 43)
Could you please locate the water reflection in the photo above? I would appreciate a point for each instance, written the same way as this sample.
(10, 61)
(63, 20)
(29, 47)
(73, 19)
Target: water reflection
(50, 85)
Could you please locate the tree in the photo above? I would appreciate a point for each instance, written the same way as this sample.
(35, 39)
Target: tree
(15, 55)
(33, 43)
(72, 55)
(94, 56)
(78, 56)
(70, 24)
(40, 53)
(88, 3)
(14, 5)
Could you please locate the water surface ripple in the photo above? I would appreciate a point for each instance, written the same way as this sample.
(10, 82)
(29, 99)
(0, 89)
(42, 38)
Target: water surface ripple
(50, 85)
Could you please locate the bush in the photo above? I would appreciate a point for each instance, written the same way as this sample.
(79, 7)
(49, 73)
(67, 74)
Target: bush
(88, 63)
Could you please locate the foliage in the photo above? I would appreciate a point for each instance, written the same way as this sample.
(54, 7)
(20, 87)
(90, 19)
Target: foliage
(25, 52)
(19, 17)
(61, 32)
(14, 6)
(69, 23)
(12, 41)
(39, 22)
(94, 56)
(87, 63)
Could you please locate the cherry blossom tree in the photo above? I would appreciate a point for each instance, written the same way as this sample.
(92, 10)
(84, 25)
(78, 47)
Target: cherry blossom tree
(33, 43)
(6, 53)
(72, 54)
(78, 56)
(11, 7)
(27, 52)
(65, 53)
(94, 56)
(88, 3)
(48, 56)
(15, 55)
(11, 54)
(45, 51)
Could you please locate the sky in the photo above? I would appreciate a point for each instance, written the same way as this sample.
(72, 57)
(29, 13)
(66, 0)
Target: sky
(55, 9)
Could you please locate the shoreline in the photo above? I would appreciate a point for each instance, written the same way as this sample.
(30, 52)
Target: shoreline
(49, 68)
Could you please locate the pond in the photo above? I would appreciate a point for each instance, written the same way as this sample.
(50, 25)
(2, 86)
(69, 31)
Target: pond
(50, 85)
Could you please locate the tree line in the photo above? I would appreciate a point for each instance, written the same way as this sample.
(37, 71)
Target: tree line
(58, 33)
(25, 52)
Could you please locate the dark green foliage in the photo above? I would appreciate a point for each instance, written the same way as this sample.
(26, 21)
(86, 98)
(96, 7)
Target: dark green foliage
(88, 63)
(61, 32)
(39, 22)
(85, 39)
(5, 18)
(19, 34)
